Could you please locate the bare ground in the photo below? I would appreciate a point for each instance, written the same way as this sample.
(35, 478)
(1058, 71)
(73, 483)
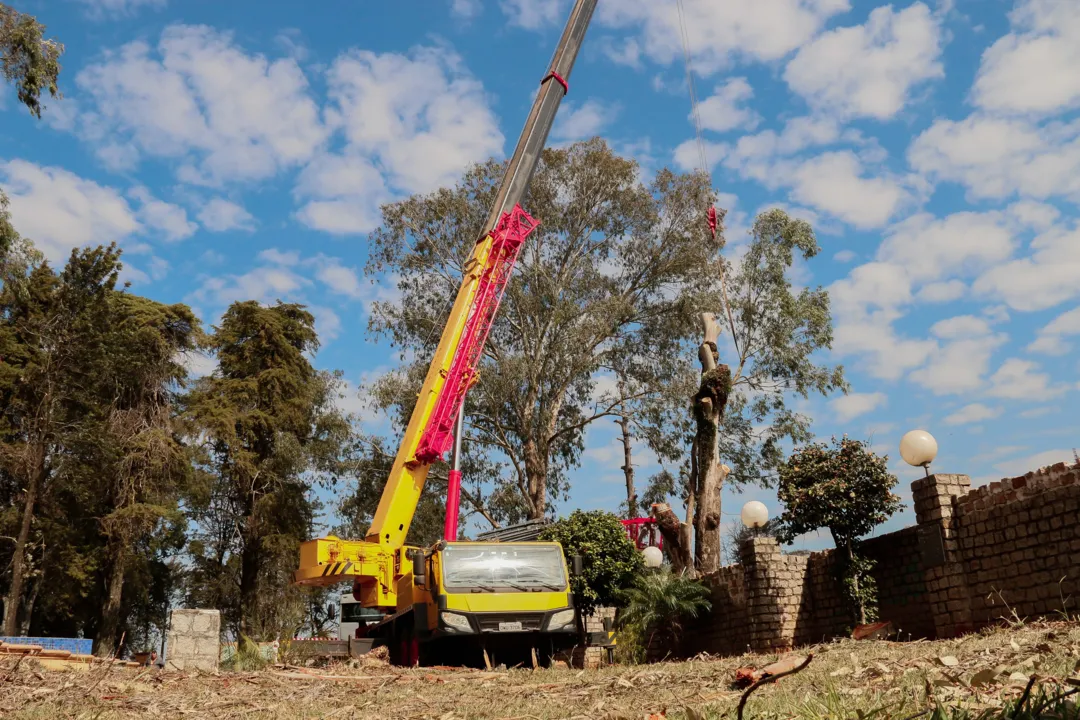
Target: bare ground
(846, 679)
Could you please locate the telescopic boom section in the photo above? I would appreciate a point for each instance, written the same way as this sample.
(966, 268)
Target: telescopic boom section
(454, 367)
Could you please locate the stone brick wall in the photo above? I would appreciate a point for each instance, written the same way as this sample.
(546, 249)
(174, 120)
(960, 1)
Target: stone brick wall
(1016, 541)
(725, 629)
(194, 640)
(902, 596)
(1019, 543)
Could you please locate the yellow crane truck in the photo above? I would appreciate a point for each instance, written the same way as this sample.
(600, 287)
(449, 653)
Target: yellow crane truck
(462, 602)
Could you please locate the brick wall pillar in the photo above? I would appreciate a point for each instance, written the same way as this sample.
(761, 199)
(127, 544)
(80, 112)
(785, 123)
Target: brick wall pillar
(946, 582)
(774, 592)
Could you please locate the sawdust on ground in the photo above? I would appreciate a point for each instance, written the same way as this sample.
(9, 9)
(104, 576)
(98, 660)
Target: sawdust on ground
(845, 679)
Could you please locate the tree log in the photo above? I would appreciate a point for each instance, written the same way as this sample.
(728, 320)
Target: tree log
(676, 537)
(709, 405)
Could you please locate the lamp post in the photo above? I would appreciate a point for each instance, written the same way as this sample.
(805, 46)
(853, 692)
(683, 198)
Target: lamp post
(754, 515)
(919, 448)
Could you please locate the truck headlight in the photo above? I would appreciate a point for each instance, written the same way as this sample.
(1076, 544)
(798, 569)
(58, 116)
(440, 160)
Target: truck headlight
(455, 621)
(561, 619)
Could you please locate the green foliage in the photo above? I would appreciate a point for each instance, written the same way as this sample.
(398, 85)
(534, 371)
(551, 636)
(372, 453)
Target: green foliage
(860, 587)
(610, 560)
(658, 604)
(269, 431)
(770, 340)
(27, 58)
(846, 488)
(91, 470)
(609, 280)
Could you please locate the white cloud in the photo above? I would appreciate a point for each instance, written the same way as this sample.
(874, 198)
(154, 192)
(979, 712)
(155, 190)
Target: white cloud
(1000, 157)
(869, 70)
(836, 183)
(844, 256)
(1051, 339)
(327, 322)
(1044, 278)
(581, 122)
(263, 284)
(174, 101)
(688, 154)
(1020, 380)
(960, 364)
(850, 406)
(719, 33)
(973, 413)
(466, 9)
(199, 364)
(621, 50)
(99, 9)
(411, 124)
(1038, 412)
(929, 248)
(342, 280)
(1024, 465)
(725, 109)
(344, 193)
(60, 211)
(941, 292)
(534, 14)
(220, 215)
(170, 219)
(1033, 68)
(277, 257)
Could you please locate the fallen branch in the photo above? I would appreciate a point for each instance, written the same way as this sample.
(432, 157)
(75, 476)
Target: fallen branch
(770, 679)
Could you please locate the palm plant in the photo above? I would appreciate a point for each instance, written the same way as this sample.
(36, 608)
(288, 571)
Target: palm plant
(660, 602)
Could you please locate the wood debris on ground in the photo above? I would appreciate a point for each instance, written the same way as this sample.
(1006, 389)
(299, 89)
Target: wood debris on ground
(864, 675)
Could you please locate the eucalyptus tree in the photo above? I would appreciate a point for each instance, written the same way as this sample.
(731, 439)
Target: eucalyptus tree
(611, 277)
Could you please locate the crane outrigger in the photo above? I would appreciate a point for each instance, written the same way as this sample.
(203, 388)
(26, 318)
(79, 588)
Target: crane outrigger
(459, 600)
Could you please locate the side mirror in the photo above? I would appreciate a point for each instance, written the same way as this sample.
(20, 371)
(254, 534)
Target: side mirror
(419, 568)
(331, 611)
(577, 565)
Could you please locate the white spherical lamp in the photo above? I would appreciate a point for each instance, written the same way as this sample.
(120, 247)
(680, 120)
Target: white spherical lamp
(654, 557)
(918, 448)
(755, 514)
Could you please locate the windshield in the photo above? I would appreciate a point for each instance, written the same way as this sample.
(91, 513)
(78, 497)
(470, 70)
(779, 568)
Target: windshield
(504, 567)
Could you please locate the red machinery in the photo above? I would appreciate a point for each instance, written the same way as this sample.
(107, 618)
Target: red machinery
(644, 532)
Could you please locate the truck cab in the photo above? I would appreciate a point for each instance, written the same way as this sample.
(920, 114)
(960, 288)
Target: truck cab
(354, 619)
(476, 602)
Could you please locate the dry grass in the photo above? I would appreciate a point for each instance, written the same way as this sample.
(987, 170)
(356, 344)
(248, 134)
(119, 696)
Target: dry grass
(846, 679)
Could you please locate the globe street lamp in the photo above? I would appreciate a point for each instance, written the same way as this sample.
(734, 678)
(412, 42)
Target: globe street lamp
(755, 515)
(918, 448)
(654, 557)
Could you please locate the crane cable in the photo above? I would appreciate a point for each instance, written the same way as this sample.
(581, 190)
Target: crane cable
(704, 160)
(702, 156)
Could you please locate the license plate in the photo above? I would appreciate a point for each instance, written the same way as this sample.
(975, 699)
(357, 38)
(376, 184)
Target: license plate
(509, 627)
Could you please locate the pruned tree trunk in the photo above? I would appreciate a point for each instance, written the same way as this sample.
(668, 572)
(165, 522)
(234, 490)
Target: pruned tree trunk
(27, 614)
(105, 642)
(13, 599)
(709, 404)
(628, 468)
(676, 537)
(536, 466)
(249, 585)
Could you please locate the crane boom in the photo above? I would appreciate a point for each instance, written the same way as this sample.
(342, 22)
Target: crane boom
(429, 433)
(399, 580)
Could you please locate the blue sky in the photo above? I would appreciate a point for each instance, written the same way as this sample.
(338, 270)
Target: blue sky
(241, 149)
